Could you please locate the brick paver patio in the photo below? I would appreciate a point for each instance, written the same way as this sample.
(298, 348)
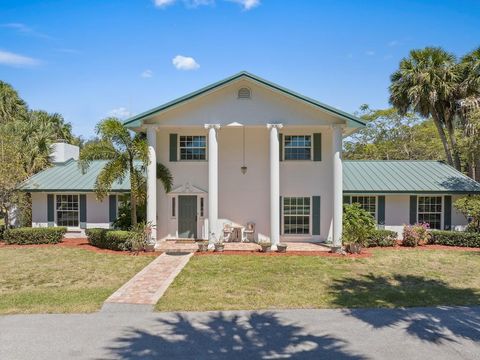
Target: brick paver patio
(150, 284)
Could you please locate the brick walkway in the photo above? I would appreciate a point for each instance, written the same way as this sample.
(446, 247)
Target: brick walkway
(150, 284)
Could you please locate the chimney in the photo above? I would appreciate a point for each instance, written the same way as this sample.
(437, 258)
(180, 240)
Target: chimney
(62, 152)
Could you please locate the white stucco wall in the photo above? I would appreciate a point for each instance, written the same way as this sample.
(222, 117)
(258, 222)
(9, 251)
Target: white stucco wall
(39, 210)
(97, 211)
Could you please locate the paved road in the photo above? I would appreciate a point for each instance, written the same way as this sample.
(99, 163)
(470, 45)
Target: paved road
(421, 333)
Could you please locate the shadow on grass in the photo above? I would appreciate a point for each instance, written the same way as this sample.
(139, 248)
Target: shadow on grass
(433, 324)
(250, 336)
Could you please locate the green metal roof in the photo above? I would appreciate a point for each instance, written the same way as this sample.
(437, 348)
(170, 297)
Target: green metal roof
(137, 120)
(399, 176)
(359, 176)
(68, 176)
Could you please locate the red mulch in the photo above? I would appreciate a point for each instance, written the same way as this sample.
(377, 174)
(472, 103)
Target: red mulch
(80, 243)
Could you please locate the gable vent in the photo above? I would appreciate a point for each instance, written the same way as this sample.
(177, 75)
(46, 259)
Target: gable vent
(244, 93)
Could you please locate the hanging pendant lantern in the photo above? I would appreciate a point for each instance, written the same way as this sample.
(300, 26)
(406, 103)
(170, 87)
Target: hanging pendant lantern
(243, 169)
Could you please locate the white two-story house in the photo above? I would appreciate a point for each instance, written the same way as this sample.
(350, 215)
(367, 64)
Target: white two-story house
(247, 151)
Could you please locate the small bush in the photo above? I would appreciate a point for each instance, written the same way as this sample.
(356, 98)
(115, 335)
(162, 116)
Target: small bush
(358, 225)
(28, 235)
(415, 235)
(455, 238)
(380, 237)
(119, 240)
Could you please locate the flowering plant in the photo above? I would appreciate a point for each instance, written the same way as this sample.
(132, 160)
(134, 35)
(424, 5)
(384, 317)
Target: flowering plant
(416, 235)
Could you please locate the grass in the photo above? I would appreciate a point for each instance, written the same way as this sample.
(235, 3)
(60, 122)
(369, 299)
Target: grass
(60, 280)
(390, 278)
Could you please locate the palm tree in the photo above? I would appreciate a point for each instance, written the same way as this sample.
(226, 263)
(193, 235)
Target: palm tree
(122, 149)
(12, 107)
(427, 82)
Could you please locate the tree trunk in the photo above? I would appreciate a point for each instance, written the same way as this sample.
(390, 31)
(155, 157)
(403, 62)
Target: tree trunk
(453, 141)
(443, 138)
(133, 203)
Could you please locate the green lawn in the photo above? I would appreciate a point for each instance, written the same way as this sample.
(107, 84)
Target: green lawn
(390, 278)
(54, 279)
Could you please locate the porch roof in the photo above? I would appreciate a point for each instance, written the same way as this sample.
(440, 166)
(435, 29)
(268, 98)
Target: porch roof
(405, 176)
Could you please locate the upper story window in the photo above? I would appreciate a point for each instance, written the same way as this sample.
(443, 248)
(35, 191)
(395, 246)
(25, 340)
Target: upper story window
(193, 148)
(244, 93)
(367, 203)
(430, 211)
(297, 147)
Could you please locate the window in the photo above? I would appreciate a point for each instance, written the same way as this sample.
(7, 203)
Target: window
(367, 203)
(297, 147)
(201, 207)
(193, 148)
(173, 207)
(296, 215)
(67, 210)
(430, 211)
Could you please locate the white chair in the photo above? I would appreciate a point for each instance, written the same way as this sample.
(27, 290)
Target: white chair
(227, 232)
(248, 234)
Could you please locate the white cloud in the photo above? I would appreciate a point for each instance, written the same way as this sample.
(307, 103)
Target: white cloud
(163, 3)
(24, 29)
(120, 112)
(185, 63)
(370, 53)
(393, 43)
(12, 59)
(247, 4)
(147, 74)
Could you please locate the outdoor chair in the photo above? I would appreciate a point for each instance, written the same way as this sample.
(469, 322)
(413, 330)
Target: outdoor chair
(249, 232)
(227, 232)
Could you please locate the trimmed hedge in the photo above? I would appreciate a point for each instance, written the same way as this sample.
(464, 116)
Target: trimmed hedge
(455, 238)
(381, 237)
(119, 240)
(28, 235)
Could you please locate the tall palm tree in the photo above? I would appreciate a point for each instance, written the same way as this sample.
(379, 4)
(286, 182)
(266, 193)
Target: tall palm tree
(122, 149)
(427, 83)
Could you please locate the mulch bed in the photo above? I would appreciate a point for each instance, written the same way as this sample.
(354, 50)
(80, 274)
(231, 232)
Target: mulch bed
(80, 243)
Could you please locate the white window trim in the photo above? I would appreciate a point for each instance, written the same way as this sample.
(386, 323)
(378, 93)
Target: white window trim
(282, 218)
(179, 157)
(376, 203)
(284, 147)
(442, 213)
(56, 211)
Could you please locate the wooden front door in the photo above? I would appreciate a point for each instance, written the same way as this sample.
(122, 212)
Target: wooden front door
(187, 216)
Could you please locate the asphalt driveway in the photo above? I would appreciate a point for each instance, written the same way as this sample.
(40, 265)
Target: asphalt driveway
(417, 333)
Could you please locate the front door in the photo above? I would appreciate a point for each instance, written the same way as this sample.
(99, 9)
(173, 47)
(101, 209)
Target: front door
(187, 216)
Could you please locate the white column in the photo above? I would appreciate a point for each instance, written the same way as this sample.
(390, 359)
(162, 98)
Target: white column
(274, 185)
(337, 186)
(212, 182)
(152, 180)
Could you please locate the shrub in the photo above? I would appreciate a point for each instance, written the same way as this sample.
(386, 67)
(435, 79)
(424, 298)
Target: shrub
(380, 237)
(28, 235)
(112, 239)
(470, 207)
(415, 235)
(96, 237)
(455, 238)
(358, 225)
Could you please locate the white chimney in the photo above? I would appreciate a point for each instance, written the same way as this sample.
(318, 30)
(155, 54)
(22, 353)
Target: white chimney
(62, 152)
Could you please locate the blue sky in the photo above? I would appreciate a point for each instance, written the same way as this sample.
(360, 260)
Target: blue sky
(88, 59)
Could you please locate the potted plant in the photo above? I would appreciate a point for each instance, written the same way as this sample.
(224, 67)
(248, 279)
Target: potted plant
(202, 245)
(265, 246)
(219, 246)
(281, 248)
